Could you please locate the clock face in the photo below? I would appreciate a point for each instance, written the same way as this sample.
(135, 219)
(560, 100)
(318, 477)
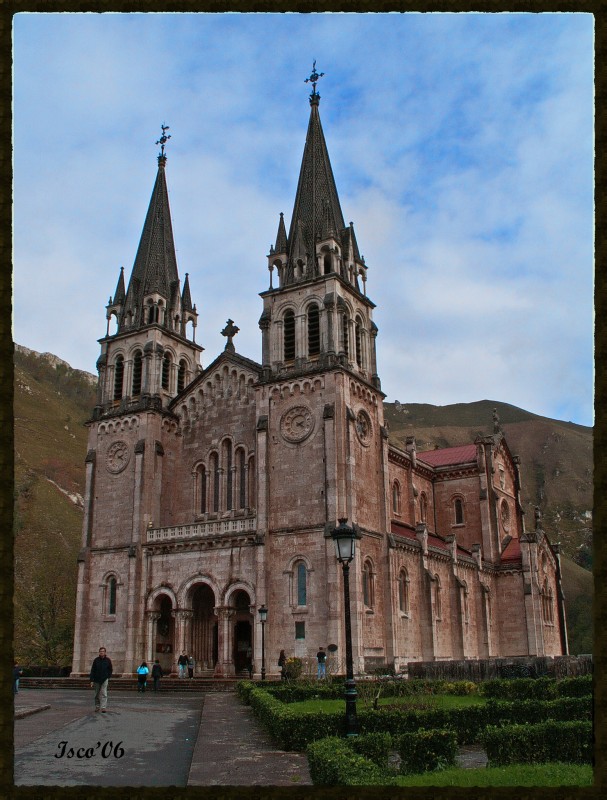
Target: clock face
(363, 427)
(117, 457)
(297, 424)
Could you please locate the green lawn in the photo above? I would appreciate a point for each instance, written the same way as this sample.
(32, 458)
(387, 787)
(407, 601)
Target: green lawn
(514, 775)
(437, 701)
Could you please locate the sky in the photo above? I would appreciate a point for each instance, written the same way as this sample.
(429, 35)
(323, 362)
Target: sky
(462, 150)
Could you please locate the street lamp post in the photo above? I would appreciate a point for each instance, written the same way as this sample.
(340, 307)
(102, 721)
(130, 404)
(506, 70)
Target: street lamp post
(263, 615)
(344, 538)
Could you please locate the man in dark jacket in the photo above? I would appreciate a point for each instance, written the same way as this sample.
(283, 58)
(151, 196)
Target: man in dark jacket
(101, 672)
(156, 674)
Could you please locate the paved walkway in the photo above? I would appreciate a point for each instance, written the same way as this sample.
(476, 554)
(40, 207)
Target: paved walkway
(168, 739)
(233, 750)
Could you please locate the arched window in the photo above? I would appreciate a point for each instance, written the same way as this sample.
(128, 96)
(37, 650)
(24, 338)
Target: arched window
(242, 479)
(137, 367)
(368, 587)
(327, 263)
(301, 578)
(181, 373)
(344, 335)
(118, 377)
(437, 597)
(423, 507)
(202, 489)
(153, 313)
(214, 470)
(547, 612)
(313, 330)
(251, 480)
(289, 335)
(505, 516)
(227, 465)
(396, 497)
(458, 510)
(166, 371)
(111, 595)
(403, 591)
(359, 350)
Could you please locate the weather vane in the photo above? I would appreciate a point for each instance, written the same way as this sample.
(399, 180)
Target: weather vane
(164, 138)
(313, 79)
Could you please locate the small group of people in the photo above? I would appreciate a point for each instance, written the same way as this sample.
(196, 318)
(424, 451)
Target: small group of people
(101, 672)
(143, 672)
(186, 663)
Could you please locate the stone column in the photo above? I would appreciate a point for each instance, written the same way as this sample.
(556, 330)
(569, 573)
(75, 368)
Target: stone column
(225, 662)
(152, 620)
(183, 619)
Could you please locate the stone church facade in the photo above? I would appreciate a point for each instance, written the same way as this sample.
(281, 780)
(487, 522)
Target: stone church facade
(212, 491)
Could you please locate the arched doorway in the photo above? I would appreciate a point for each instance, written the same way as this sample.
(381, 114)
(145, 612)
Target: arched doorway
(204, 627)
(243, 629)
(164, 642)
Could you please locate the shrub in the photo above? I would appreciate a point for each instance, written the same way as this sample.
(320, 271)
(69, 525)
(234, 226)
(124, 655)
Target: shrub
(532, 711)
(544, 742)
(423, 751)
(580, 686)
(374, 746)
(520, 689)
(333, 763)
(537, 688)
(293, 667)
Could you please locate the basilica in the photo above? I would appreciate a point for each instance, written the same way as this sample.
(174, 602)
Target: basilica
(212, 491)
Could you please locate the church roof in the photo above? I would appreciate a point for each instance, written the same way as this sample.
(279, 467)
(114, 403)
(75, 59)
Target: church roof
(512, 551)
(155, 268)
(448, 456)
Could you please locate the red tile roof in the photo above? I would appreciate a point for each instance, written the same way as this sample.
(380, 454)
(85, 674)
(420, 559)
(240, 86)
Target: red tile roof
(449, 455)
(402, 530)
(512, 551)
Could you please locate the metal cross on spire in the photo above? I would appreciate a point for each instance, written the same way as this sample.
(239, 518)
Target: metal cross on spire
(163, 139)
(313, 79)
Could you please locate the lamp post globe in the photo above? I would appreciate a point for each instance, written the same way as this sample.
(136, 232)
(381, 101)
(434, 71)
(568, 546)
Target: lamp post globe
(345, 543)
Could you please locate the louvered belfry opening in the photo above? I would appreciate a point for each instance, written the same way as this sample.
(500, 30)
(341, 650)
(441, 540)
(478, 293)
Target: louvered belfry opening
(289, 334)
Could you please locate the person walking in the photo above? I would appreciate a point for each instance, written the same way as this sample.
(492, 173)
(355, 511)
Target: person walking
(191, 666)
(17, 673)
(156, 674)
(282, 663)
(142, 676)
(101, 672)
(321, 657)
(182, 663)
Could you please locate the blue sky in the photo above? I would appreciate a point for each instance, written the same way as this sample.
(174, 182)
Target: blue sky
(462, 148)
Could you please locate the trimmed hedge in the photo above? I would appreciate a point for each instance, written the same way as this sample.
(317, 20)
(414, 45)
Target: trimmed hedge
(293, 730)
(424, 751)
(374, 746)
(537, 744)
(537, 688)
(333, 763)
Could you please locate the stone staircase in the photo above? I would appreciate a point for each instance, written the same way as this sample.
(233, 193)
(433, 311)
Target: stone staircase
(204, 683)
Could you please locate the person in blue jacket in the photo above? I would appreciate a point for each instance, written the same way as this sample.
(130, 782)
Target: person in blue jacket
(142, 676)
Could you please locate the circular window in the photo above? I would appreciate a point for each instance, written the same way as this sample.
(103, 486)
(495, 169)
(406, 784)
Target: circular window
(363, 427)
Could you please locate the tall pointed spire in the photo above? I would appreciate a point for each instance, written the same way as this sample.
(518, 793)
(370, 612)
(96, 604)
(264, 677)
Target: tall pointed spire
(281, 236)
(186, 299)
(155, 268)
(316, 187)
(119, 294)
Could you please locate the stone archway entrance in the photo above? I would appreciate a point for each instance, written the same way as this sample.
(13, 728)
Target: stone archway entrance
(163, 633)
(243, 630)
(204, 627)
